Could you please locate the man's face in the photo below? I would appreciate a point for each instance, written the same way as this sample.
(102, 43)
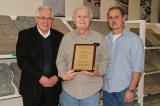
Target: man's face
(82, 19)
(44, 20)
(115, 19)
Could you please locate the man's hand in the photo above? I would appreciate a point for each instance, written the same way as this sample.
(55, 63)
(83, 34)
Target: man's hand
(129, 97)
(130, 94)
(69, 75)
(44, 81)
(95, 73)
(53, 80)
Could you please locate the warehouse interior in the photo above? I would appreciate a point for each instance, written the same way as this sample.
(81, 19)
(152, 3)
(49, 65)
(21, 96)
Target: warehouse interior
(18, 15)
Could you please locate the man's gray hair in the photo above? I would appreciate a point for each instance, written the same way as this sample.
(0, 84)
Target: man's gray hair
(39, 9)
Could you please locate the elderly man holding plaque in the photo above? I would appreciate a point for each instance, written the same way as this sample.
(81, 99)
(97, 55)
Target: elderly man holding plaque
(81, 62)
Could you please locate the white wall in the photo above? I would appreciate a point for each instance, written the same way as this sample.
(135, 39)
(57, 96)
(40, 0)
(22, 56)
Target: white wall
(28, 7)
(19, 7)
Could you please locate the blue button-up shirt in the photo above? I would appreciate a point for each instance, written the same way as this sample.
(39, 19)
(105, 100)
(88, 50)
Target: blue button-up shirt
(126, 56)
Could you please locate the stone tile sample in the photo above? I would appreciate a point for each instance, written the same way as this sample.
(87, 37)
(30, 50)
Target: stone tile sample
(152, 60)
(100, 26)
(20, 24)
(5, 20)
(6, 76)
(72, 24)
(152, 83)
(30, 20)
(60, 26)
(152, 100)
(17, 74)
(7, 46)
(1, 31)
(8, 35)
(152, 38)
(9, 29)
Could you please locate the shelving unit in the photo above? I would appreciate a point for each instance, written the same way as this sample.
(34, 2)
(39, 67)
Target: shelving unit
(152, 68)
(149, 85)
(13, 99)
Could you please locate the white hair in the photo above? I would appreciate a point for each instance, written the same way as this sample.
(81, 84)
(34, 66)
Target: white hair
(79, 8)
(39, 9)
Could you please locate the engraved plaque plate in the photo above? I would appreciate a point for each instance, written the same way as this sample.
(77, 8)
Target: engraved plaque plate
(84, 57)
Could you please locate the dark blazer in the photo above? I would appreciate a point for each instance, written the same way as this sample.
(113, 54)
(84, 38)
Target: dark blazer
(30, 59)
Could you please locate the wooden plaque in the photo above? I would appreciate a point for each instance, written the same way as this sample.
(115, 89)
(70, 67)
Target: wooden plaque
(84, 57)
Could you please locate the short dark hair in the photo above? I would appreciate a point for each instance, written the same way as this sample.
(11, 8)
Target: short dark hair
(118, 8)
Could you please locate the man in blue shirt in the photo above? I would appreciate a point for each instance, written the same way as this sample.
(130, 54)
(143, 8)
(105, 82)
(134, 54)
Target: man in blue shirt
(126, 62)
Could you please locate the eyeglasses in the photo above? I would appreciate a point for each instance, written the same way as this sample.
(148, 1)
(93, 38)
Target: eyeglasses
(45, 18)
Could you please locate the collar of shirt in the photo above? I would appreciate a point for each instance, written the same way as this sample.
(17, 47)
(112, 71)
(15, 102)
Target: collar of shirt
(44, 35)
(116, 37)
(122, 34)
(85, 35)
(85, 39)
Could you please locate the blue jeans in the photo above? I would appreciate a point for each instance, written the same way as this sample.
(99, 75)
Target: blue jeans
(67, 100)
(115, 98)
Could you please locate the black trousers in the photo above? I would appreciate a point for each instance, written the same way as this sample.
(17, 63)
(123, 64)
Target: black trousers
(47, 97)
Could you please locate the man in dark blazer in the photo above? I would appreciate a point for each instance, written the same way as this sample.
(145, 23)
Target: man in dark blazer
(36, 52)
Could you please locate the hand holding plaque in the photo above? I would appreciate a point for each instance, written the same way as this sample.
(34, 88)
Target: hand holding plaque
(84, 57)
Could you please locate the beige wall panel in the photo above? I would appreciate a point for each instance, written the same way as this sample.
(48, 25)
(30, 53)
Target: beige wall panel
(134, 10)
(155, 10)
(70, 5)
(19, 7)
(105, 5)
